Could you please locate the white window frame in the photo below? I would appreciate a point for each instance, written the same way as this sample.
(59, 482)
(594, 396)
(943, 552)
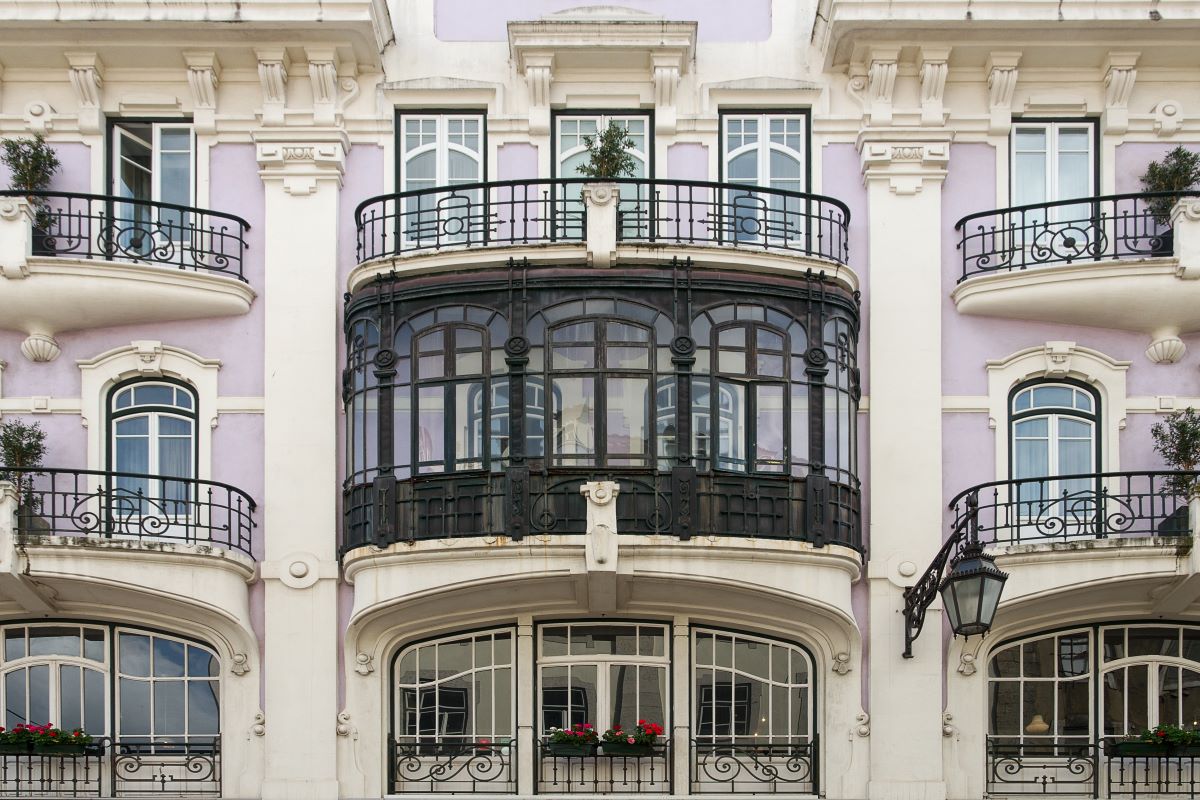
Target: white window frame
(602, 121)
(442, 147)
(54, 662)
(1053, 415)
(741, 208)
(156, 151)
(1052, 130)
(602, 663)
(414, 210)
(764, 146)
(118, 676)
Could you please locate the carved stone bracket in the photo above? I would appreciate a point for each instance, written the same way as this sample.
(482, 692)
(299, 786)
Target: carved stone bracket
(665, 72)
(204, 76)
(1167, 116)
(1002, 84)
(862, 725)
(363, 664)
(240, 665)
(301, 161)
(906, 165)
(87, 79)
(259, 727)
(1119, 78)
(344, 727)
(966, 664)
(841, 663)
(539, 74)
(881, 84)
(934, 68)
(322, 73)
(273, 67)
(600, 545)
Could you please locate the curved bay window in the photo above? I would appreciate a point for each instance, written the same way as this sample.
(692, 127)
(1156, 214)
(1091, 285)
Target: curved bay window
(485, 417)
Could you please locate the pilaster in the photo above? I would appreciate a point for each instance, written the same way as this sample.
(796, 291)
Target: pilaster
(302, 171)
(903, 170)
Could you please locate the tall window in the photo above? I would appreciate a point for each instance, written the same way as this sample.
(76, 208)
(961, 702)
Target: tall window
(750, 690)
(603, 675)
(764, 150)
(752, 414)
(153, 426)
(153, 162)
(442, 150)
(456, 689)
(1054, 432)
(162, 689)
(571, 152)
(1053, 161)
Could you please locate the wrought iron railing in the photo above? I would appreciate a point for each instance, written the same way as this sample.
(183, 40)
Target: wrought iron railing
(1084, 506)
(1067, 231)
(525, 212)
(131, 505)
(741, 767)
(604, 773)
(452, 765)
(92, 226)
(523, 502)
(115, 768)
(1082, 768)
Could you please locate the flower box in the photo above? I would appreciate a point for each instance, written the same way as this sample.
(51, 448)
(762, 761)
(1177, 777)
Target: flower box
(570, 749)
(60, 749)
(1186, 750)
(636, 750)
(9, 749)
(1126, 749)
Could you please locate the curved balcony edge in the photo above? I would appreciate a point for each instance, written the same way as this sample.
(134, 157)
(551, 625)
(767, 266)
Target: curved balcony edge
(54, 502)
(110, 228)
(1065, 508)
(619, 211)
(1104, 227)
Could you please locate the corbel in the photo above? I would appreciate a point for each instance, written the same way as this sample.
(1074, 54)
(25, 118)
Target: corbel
(273, 65)
(322, 73)
(1002, 84)
(934, 67)
(204, 76)
(1120, 74)
(87, 79)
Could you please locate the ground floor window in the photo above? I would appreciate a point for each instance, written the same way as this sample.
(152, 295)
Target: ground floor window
(750, 718)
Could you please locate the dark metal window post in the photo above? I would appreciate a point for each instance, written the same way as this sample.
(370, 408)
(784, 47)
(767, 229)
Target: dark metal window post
(971, 590)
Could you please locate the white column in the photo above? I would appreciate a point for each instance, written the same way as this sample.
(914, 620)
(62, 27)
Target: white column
(904, 181)
(681, 704)
(527, 754)
(302, 171)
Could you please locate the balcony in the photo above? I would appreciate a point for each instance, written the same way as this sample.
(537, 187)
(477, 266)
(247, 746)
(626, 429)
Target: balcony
(1082, 768)
(1127, 261)
(79, 261)
(114, 768)
(627, 221)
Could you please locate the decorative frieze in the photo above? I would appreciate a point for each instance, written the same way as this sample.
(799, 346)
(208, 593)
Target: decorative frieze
(273, 67)
(300, 160)
(1002, 84)
(87, 79)
(906, 165)
(1119, 77)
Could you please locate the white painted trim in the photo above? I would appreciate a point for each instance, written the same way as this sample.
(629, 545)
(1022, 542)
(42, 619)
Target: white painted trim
(1055, 361)
(147, 359)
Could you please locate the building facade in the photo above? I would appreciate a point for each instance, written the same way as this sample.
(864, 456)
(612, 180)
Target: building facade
(380, 443)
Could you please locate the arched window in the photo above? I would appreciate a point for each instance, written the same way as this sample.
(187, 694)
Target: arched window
(163, 690)
(1054, 432)
(153, 432)
(758, 392)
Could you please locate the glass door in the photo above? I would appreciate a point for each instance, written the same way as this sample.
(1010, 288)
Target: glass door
(152, 163)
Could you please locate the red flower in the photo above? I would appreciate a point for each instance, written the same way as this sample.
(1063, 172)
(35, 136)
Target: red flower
(616, 727)
(54, 733)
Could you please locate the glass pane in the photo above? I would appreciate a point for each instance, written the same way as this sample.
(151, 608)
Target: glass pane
(203, 708)
(554, 641)
(1113, 698)
(14, 644)
(15, 698)
(1074, 658)
(769, 429)
(1189, 708)
(95, 708)
(1038, 658)
(1137, 699)
(1006, 663)
(1038, 700)
(431, 428)
(651, 642)
(134, 654)
(1169, 691)
(583, 695)
(652, 695)
(1154, 641)
(54, 641)
(731, 410)
(134, 712)
(1074, 702)
(453, 657)
(574, 419)
(1114, 644)
(154, 395)
(1053, 397)
(555, 688)
(70, 698)
(752, 657)
(603, 640)
(627, 420)
(201, 663)
(168, 658)
(504, 702)
(168, 707)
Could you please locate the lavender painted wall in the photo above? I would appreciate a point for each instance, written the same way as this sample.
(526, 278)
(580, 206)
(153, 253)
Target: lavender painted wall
(719, 20)
(1132, 158)
(75, 170)
(687, 162)
(516, 161)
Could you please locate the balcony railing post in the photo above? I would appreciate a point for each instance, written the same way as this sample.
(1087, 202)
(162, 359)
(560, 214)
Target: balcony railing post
(601, 201)
(16, 236)
(1185, 222)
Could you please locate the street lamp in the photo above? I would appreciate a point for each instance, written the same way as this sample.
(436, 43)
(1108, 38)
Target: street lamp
(970, 591)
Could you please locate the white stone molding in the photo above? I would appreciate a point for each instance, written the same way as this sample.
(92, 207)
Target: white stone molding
(204, 76)
(948, 727)
(905, 163)
(1166, 350)
(841, 663)
(602, 200)
(966, 664)
(1185, 221)
(303, 158)
(363, 664)
(273, 65)
(1119, 77)
(322, 73)
(665, 72)
(344, 727)
(16, 237)
(298, 570)
(862, 725)
(39, 117)
(147, 359)
(881, 84)
(1168, 114)
(1055, 361)
(87, 79)
(1002, 84)
(240, 664)
(259, 726)
(539, 74)
(933, 67)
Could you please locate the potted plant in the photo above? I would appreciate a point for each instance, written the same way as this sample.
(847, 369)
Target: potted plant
(1177, 440)
(43, 739)
(1158, 741)
(638, 742)
(608, 154)
(1178, 172)
(22, 448)
(577, 741)
(33, 164)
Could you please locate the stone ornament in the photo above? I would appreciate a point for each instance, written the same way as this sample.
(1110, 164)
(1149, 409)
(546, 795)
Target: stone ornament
(240, 665)
(966, 664)
(40, 348)
(259, 728)
(344, 727)
(863, 725)
(363, 664)
(841, 663)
